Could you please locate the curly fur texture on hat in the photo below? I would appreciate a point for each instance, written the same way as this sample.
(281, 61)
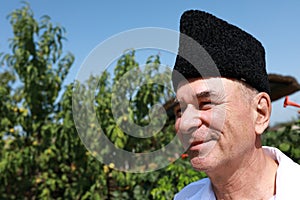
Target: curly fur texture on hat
(234, 53)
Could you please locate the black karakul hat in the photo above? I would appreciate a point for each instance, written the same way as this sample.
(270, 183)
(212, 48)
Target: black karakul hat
(233, 52)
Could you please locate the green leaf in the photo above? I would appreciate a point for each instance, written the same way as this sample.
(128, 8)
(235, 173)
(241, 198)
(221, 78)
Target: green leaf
(284, 147)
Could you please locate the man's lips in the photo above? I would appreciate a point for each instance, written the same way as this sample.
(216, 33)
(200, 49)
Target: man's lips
(199, 140)
(195, 145)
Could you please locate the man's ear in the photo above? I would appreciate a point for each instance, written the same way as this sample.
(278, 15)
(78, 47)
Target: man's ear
(263, 112)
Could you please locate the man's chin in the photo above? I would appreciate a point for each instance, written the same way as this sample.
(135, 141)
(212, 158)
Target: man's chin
(200, 163)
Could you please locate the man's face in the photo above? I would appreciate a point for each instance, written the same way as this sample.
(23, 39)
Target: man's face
(214, 122)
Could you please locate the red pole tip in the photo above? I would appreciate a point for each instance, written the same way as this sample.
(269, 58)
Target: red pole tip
(287, 102)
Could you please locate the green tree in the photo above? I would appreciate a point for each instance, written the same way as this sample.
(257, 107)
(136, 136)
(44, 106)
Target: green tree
(42, 155)
(286, 137)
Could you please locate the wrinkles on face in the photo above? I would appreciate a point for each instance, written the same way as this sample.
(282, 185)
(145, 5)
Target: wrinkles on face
(213, 121)
(200, 116)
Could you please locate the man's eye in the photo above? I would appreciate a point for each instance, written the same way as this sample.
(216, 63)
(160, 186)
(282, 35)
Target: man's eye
(206, 105)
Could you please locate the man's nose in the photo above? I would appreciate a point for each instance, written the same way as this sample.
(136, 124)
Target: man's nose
(190, 120)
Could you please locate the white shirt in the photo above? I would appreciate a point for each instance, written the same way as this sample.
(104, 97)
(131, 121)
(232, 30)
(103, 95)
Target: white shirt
(287, 181)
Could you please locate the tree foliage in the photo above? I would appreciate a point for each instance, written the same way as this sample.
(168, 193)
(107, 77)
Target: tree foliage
(42, 155)
(286, 137)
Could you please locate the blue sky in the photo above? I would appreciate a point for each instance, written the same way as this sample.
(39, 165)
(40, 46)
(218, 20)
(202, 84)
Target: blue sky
(274, 22)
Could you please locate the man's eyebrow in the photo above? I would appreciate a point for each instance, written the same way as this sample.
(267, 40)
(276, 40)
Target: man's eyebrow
(208, 94)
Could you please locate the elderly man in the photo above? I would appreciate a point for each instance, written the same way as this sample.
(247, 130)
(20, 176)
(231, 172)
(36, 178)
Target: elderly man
(223, 109)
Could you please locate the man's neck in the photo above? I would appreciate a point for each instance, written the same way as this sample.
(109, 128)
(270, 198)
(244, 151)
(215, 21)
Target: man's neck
(251, 178)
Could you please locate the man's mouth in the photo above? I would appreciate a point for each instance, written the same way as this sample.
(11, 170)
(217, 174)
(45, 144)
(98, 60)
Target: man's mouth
(195, 145)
